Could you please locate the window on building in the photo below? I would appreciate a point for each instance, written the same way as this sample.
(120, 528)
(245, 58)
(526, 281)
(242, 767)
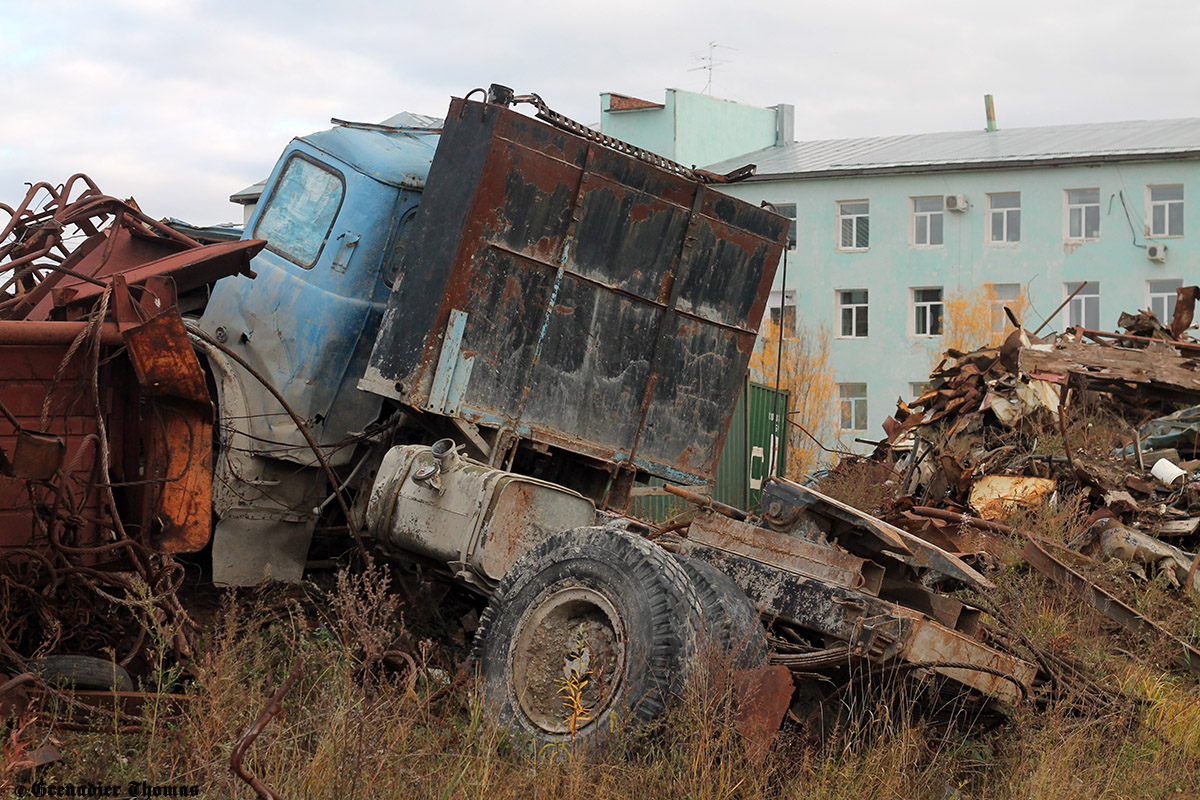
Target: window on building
(1165, 217)
(917, 388)
(853, 304)
(1084, 308)
(854, 225)
(788, 210)
(1004, 294)
(1004, 215)
(782, 306)
(853, 400)
(1083, 214)
(927, 220)
(1162, 298)
(927, 311)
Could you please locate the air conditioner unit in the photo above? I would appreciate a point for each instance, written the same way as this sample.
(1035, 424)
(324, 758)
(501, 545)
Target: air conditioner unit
(1156, 252)
(956, 202)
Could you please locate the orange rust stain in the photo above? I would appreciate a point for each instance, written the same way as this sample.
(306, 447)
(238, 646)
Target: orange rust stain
(641, 212)
(512, 289)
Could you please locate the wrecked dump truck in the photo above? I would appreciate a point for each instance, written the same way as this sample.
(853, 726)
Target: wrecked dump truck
(461, 347)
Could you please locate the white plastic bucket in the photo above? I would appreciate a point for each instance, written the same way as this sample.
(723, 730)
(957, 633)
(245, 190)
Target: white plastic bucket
(1167, 472)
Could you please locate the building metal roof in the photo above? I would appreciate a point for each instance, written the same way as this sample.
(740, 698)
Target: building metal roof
(955, 151)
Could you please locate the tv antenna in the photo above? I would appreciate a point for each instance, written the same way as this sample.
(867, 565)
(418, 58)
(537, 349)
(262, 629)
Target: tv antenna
(709, 62)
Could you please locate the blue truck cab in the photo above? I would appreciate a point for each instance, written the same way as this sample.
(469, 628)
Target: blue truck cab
(334, 212)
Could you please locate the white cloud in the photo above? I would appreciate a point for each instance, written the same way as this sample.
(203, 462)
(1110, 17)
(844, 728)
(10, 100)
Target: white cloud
(183, 103)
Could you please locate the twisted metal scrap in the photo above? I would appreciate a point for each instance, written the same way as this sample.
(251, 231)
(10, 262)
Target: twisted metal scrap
(49, 590)
(273, 707)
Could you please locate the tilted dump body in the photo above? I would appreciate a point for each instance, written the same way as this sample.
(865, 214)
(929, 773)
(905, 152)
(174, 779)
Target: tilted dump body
(559, 291)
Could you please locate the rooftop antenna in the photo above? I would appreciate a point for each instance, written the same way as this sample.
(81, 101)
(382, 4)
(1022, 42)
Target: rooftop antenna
(709, 62)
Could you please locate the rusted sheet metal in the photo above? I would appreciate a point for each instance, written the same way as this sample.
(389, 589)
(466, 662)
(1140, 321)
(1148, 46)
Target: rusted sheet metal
(1105, 603)
(188, 270)
(999, 496)
(787, 506)
(1158, 369)
(762, 697)
(177, 459)
(145, 415)
(35, 456)
(789, 553)
(27, 381)
(588, 280)
(955, 655)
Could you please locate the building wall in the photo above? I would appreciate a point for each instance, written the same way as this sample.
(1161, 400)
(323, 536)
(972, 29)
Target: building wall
(692, 129)
(892, 358)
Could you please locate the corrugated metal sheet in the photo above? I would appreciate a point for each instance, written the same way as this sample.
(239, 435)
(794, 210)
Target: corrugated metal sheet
(744, 461)
(1108, 139)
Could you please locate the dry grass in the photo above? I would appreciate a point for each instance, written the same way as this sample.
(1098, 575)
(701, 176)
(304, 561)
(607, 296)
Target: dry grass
(364, 722)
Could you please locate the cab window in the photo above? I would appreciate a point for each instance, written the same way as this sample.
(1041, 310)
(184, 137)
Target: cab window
(301, 210)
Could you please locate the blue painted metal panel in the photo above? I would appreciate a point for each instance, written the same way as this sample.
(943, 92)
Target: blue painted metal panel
(310, 330)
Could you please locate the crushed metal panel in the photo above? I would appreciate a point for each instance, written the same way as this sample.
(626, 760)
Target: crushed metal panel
(941, 648)
(590, 280)
(1161, 371)
(787, 503)
(1000, 496)
(26, 375)
(252, 545)
(786, 552)
(177, 448)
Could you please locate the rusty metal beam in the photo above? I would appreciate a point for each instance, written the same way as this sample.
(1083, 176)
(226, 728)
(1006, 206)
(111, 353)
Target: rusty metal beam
(27, 333)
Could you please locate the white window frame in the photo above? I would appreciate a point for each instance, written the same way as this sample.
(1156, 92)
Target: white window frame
(1082, 208)
(928, 305)
(1005, 216)
(788, 210)
(854, 225)
(855, 309)
(1000, 322)
(1078, 306)
(1166, 206)
(850, 407)
(1168, 299)
(773, 307)
(926, 217)
(917, 388)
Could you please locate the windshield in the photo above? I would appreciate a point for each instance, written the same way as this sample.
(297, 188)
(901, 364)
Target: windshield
(301, 210)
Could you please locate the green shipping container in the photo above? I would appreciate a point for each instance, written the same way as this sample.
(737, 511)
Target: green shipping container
(755, 447)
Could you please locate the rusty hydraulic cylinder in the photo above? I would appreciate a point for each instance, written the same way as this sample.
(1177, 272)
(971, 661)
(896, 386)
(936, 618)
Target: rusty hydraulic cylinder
(704, 501)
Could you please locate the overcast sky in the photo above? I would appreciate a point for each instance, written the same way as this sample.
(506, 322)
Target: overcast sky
(179, 103)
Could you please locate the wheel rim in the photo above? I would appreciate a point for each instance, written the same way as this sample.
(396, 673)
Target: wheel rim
(569, 659)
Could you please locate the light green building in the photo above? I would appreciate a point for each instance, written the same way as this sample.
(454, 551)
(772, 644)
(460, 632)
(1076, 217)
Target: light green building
(890, 231)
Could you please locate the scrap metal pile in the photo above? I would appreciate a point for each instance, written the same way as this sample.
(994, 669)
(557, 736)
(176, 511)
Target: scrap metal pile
(105, 422)
(1109, 421)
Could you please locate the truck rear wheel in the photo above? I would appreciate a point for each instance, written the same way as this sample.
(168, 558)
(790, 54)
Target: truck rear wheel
(729, 621)
(591, 632)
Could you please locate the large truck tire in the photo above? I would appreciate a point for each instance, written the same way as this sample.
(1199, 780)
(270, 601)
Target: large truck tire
(729, 623)
(82, 672)
(597, 614)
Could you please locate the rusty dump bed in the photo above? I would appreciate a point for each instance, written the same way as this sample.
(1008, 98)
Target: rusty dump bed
(560, 291)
